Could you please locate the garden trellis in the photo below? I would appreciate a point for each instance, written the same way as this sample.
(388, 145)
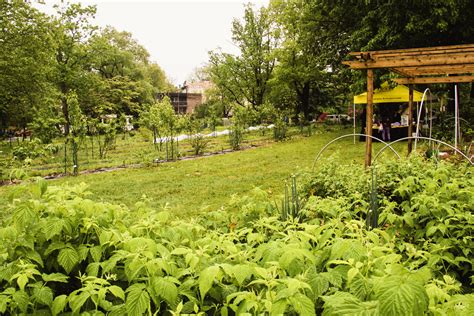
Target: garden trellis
(441, 64)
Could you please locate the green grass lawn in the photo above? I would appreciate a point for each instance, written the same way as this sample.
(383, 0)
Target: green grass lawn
(128, 149)
(192, 186)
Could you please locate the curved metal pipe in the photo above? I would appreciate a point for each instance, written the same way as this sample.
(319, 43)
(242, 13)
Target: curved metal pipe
(419, 114)
(426, 138)
(349, 135)
(453, 118)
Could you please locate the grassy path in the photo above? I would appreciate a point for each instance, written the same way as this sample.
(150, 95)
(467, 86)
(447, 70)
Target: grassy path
(189, 187)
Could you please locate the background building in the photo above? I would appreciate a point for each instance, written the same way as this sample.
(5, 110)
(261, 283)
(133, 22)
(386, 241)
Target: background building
(190, 96)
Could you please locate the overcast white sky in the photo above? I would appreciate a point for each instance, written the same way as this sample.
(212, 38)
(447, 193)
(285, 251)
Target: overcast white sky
(178, 34)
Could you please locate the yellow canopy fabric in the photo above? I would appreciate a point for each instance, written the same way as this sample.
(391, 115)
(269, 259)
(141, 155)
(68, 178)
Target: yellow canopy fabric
(399, 94)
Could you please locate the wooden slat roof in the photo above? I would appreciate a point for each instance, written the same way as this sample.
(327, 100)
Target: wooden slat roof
(441, 64)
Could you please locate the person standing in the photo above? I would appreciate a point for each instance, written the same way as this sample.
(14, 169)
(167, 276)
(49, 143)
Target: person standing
(386, 125)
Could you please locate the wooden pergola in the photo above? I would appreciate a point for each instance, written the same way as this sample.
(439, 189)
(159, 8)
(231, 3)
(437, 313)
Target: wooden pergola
(442, 64)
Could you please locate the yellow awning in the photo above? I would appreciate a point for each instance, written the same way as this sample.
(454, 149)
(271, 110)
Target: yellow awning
(399, 94)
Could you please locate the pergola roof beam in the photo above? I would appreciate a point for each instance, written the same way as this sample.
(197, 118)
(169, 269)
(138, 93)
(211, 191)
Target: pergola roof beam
(435, 70)
(426, 80)
(405, 72)
(411, 62)
(419, 51)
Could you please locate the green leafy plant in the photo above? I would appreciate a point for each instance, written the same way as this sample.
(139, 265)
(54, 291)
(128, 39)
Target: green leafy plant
(61, 252)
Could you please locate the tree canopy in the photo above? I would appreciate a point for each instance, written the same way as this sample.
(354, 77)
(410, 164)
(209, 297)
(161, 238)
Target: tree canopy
(296, 63)
(289, 58)
(45, 58)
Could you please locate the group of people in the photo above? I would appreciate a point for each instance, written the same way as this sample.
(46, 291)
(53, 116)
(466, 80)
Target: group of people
(384, 124)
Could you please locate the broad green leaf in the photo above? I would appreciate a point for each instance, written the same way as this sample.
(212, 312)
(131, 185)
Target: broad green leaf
(117, 291)
(431, 230)
(105, 237)
(192, 260)
(345, 249)
(4, 300)
(133, 269)
(166, 289)
(186, 308)
(163, 216)
(8, 233)
(55, 277)
(83, 252)
(54, 246)
(360, 287)
(138, 300)
(294, 285)
(279, 307)
(21, 299)
(207, 278)
(109, 264)
(59, 304)
(106, 305)
(401, 295)
(351, 274)
(53, 227)
(96, 253)
(294, 256)
(68, 258)
(77, 301)
(35, 256)
(242, 272)
(93, 269)
(24, 215)
(144, 246)
(43, 185)
(43, 295)
(22, 280)
(302, 305)
(343, 303)
(117, 310)
(180, 251)
(319, 284)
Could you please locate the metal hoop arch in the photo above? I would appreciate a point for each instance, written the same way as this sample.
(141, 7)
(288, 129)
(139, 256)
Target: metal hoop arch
(350, 135)
(452, 118)
(425, 138)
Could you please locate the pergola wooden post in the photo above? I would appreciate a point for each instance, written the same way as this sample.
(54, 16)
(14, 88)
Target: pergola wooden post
(368, 117)
(442, 64)
(410, 116)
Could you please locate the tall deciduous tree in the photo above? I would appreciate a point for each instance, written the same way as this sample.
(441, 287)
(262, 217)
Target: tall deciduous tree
(129, 80)
(245, 78)
(72, 29)
(25, 51)
(315, 40)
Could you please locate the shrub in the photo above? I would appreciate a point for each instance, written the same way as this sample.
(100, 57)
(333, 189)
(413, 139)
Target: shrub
(198, 143)
(236, 137)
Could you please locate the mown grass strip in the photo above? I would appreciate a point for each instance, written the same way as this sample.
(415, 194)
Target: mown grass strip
(193, 186)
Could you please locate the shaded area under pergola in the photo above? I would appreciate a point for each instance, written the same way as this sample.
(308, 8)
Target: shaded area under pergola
(441, 64)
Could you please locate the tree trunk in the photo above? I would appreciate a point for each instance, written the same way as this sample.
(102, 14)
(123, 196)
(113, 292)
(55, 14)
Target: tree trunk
(65, 110)
(303, 100)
